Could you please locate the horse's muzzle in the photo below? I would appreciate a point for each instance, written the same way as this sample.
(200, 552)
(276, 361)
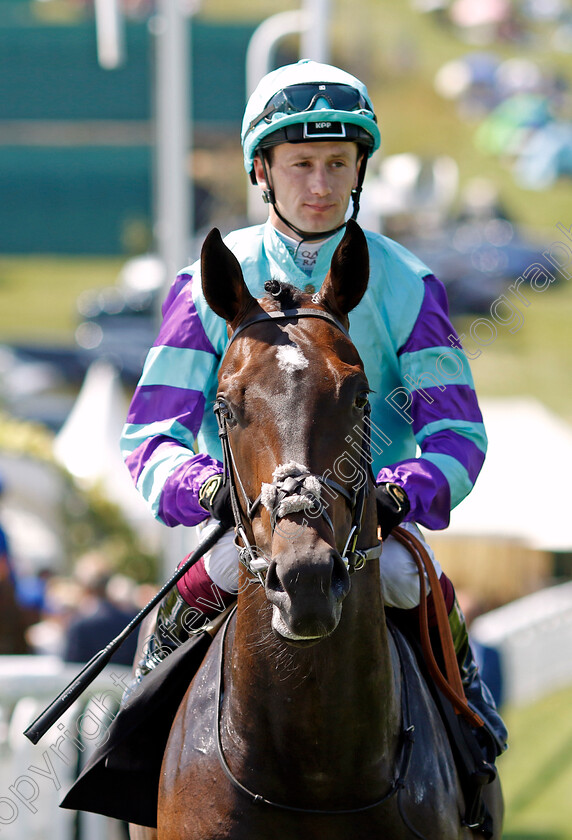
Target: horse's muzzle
(306, 594)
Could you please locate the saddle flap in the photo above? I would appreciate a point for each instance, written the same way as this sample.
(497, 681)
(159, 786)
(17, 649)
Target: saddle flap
(121, 779)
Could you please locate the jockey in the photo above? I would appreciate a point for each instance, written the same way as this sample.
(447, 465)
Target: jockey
(307, 134)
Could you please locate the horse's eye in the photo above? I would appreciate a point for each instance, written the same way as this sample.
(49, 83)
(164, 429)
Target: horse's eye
(225, 412)
(361, 399)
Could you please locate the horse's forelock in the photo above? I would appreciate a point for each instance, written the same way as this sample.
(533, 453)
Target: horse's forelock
(283, 295)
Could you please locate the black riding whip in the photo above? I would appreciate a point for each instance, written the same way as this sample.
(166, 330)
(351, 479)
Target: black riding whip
(98, 662)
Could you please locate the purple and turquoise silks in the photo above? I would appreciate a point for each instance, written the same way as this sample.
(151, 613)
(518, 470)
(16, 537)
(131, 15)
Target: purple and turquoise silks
(427, 427)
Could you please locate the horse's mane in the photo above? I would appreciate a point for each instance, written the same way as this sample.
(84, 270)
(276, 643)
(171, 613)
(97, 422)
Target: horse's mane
(284, 295)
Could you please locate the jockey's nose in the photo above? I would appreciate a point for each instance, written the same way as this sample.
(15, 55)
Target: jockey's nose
(319, 181)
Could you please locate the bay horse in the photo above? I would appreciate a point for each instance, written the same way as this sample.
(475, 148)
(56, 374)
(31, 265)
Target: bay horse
(300, 723)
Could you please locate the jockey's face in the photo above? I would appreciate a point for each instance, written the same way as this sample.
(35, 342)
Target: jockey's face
(312, 183)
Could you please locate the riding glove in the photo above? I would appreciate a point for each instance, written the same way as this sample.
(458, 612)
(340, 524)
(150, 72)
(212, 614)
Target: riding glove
(392, 507)
(214, 496)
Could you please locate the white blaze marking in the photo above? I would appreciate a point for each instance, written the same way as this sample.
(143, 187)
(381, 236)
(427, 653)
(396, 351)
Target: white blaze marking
(290, 358)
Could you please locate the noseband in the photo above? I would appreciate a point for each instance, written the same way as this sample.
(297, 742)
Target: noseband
(294, 487)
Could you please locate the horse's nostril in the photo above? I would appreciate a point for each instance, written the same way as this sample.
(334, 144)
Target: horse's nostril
(273, 583)
(302, 583)
(341, 581)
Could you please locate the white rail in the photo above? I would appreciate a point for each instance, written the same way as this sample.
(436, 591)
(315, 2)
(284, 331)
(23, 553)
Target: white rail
(534, 637)
(34, 778)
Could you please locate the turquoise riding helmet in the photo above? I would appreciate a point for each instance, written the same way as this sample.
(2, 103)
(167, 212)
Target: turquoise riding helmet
(305, 102)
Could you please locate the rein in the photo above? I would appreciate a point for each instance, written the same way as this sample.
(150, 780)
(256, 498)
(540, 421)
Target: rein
(294, 487)
(450, 685)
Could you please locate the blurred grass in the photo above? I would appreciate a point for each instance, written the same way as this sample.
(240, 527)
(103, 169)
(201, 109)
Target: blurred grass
(38, 294)
(536, 359)
(536, 771)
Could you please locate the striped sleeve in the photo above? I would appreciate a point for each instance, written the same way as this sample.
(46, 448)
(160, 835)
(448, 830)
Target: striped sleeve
(444, 415)
(166, 413)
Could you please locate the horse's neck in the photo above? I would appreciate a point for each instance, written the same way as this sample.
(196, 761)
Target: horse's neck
(337, 698)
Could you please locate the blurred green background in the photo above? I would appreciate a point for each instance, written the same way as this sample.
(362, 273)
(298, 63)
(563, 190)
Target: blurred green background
(72, 212)
(84, 198)
(536, 772)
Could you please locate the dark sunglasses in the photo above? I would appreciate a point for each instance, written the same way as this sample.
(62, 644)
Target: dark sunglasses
(296, 99)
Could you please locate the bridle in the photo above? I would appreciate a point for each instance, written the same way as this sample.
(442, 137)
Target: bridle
(294, 487)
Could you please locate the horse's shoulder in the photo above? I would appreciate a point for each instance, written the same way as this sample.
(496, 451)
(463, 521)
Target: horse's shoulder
(191, 760)
(198, 705)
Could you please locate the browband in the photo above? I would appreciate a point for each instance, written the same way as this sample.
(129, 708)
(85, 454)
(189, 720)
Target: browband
(286, 314)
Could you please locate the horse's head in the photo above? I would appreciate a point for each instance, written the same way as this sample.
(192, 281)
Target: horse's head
(292, 400)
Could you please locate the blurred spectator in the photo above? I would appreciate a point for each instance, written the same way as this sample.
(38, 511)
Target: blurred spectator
(472, 81)
(122, 591)
(31, 591)
(61, 598)
(98, 619)
(545, 157)
(488, 658)
(507, 128)
(486, 21)
(6, 566)
(12, 640)
(143, 594)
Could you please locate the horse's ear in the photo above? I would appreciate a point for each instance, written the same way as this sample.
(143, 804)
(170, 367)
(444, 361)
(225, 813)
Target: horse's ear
(223, 283)
(348, 276)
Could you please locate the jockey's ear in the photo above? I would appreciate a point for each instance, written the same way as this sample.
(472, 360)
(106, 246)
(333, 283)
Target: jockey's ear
(348, 276)
(223, 283)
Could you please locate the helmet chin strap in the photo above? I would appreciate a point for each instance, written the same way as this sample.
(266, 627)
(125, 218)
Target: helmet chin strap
(269, 198)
